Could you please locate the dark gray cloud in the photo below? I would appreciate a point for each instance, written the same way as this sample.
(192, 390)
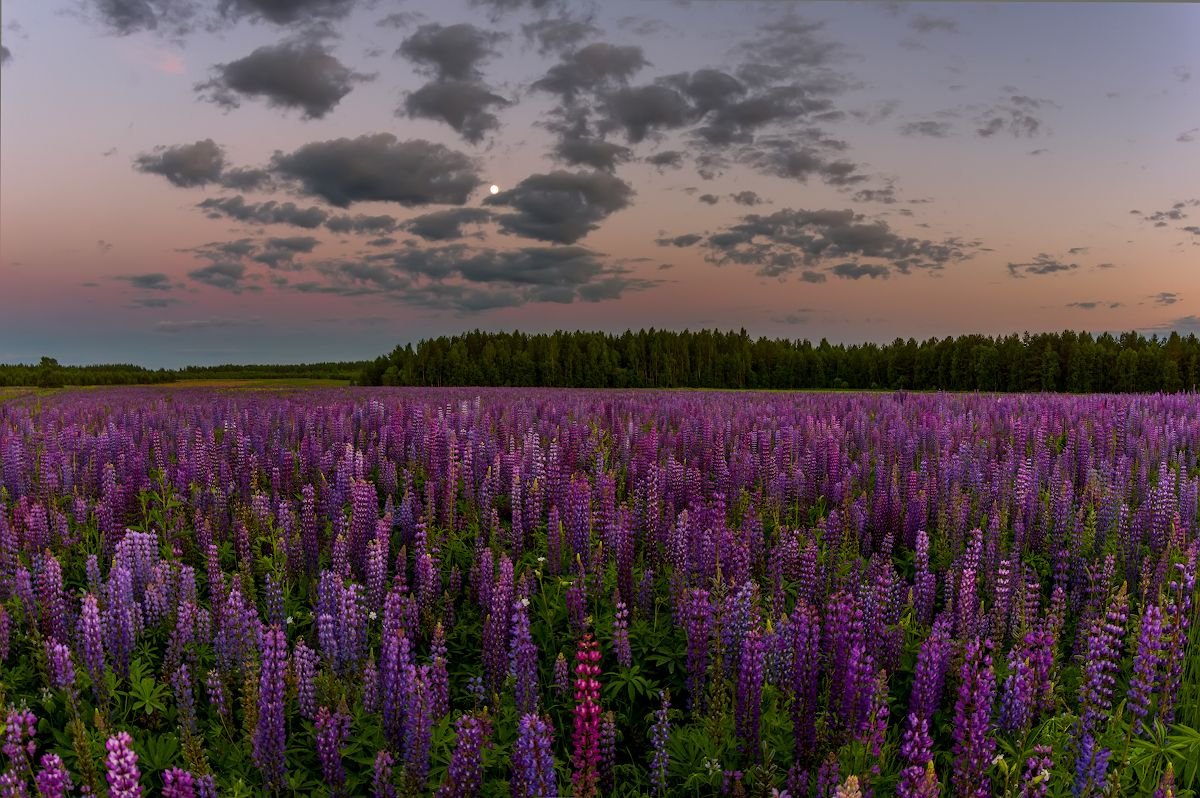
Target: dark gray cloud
(286, 12)
(922, 23)
(446, 225)
(709, 199)
(927, 127)
(591, 68)
(667, 159)
(270, 212)
(245, 179)
(790, 241)
(124, 17)
(884, 196)
(1182, 73)
(785, 49)
(557, 35)
(1166, 298)
(185, 165)
(450, 52)
(1188, 136)
(799, 316)
(1092, 305)
(642, 109)
(400, 19)
(856, 271)
(361, 224)
(461, 104)
(500, 7)
(385, 241)
(456, 278)
(738, 121)
(747, 198)
(224, 275)
(642, 26)
(1078, 250)
(1039, 151)
(1018, 115)
(685, 240)
(280, 253)
(589, 151)
(562, 207)
(1193, 229)
(1176, 213)
(300, 74)
(224, 250)
(1041, 264)
(378, 168)
(5, 55)
(153, 281)
(785, 157)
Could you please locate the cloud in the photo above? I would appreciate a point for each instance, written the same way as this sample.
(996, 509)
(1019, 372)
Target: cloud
(361, 224)
(1078, 250)
(154, 302)
(154, 281)
(385, 241)
(786, 48)
(124, 17)
(1039, 151)
(799, 240)
(286, 12)
(450, 52)
(5, 55)
(378, 168)
(270, 212)
(561, 207)
(746, 198)
(667, 159)
(709, 199)
(280, 253)
(1016, 115)
(1176, 213)
(463, 105)
(223, 275)
(299, 74)
(685, 240)
(884, 196)
(1094, 305)
(446, 225)
(926, 24)
(1188, 136)
(594, 152)
(1041, 264)
(643, 109)
(185, 165)
(1165, 298)
(558, 35)
(799, 316)
(174, 326)
(1193, 229)
(1182, 73)
(927, 127)
(590, 68)
(784, 157)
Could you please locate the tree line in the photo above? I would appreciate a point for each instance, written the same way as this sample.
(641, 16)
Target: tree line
(49, 373)
(1076, 362)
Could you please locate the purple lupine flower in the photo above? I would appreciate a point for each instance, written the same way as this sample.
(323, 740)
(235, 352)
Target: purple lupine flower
(562, 675)
(1091, 768)
(748, 708)
(185, 697)
(464, 777)
(52, 779)
(122, 765)
(524, 659)
(381, 781)
(1103, 662)
(698, 616)
(333, 732)
(1147, 664)
(304, 667)
(215, 687)
(270, 734)
(418, 724)
(1035, 779)
(439, 674)
(1166, 785)
(12, 785)
(973, 743)
(1017, 694)
(91, 644)
(621, 635)
(20, 745)
(586, 738)
(51, 599)
(495, 628)
(178, 783)
(916, 747)
(533, 758)
(804, 630)
(575, 598)
(606, 767)
(5, 630)
(370, 684)
(62, 669)
(660, 736)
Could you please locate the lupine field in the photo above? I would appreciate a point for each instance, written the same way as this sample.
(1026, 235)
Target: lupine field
(402, 592)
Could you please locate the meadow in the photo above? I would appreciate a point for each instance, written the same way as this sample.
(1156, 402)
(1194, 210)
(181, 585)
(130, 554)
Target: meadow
(456, 592)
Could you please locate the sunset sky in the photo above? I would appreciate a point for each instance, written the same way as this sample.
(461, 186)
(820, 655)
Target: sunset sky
(303, 180)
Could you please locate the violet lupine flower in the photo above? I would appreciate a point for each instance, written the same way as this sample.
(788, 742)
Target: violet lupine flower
(1166, 785)
(495, 628)
(804, 630)
(270, 734)
(464, 777)
(381, 781)
(20, 745)
(178, 783)
(12, 785)
(91, 643)
(439, 674)
(916, 747)
(1147, 664)
(1091, 768)
(562, 675)
(62, 669)
(304, 667)
(215, 687)
(524, 659)
(185, 697)
(122, 765)
(333, 732)
(533, 758)
(1017, 694)
(698, 616)
(586, 738)
(206, 786)
(52, 779)
(660, 736)
(5, 631)
(973, 744)
(370, 684)
(52, 600)
(121, 619)
(621, 635)
(1035, 779)
(1103, 662)
(606, 769)
(748, 708)
(418, 724)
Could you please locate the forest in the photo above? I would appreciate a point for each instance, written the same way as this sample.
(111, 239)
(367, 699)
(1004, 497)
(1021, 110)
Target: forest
(49, 373)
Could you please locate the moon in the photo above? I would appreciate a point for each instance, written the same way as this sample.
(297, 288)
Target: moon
(495, 189)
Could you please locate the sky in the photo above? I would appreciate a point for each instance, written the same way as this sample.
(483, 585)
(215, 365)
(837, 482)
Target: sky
(305, 180)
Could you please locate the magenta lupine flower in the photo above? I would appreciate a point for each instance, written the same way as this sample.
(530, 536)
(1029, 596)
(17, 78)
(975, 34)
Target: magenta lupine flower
(586, 738)
(464, 777)
(270, 733)
(1035, 779)
(122, 765)
(533, 758)
(621, 635)
(381, 781)
(524, 659)
(660, 736)
(748, 707)
(973, 743)
(333, 732)
(53, 780)
(178, 783)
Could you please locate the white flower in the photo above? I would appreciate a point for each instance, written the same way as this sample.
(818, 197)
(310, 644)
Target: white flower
(290, 620)
(541, 559)
(372, 615)
(524, 602)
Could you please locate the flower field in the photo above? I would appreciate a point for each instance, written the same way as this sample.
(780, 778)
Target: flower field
(453, 592)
